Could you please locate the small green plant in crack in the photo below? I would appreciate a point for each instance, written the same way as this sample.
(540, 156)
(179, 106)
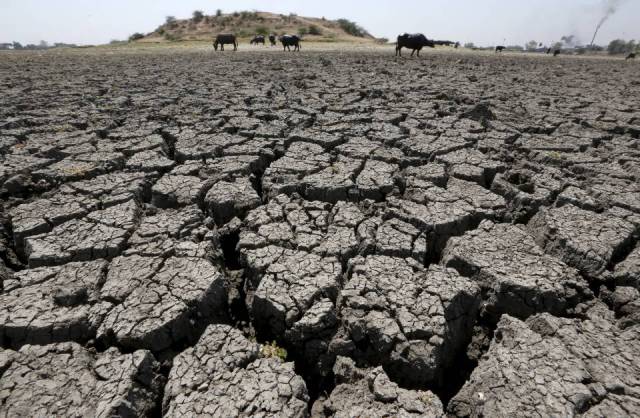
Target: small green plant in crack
(555, 155)
(273, 350)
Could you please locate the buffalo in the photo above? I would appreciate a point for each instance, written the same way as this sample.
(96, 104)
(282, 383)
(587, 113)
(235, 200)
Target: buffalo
(225, 38)
(631, 56)
(272, 39)
(556, 52)
(500, 48)
(414, 42)
(258, 39)
(289, 41)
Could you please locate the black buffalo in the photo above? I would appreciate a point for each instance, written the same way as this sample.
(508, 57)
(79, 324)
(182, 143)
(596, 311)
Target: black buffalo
(225, 38)
(631, 56)
(414, 42)
(289, 41)
(272, 39)
(556, 52)
(258, 39)
(500, 48)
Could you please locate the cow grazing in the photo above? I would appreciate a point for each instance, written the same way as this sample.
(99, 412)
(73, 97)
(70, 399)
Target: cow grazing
(272, 39)
(225, 38)
(289, 41)
(500, 48)
(258, 39)
(414, 42)
(631, 56)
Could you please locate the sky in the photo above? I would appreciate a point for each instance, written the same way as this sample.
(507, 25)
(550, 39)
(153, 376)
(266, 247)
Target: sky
(484, 22)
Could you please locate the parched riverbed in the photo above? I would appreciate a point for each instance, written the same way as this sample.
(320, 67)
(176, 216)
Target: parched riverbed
(325, 233)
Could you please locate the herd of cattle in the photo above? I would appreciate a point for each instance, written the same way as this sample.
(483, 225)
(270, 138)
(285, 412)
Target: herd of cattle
(415, 42)
(287, 41)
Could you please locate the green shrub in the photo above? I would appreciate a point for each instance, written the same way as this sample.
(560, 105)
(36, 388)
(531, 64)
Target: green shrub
(135, 37)
(314, 30)
(352, 28)
(170, 21)
(262, 30)
(170, 37)
(302, 31)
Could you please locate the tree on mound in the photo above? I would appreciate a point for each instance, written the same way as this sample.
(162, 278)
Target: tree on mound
(352, 28)
(197, 16)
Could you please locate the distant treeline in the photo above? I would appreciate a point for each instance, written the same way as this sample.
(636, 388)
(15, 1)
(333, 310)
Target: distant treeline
(42, 45)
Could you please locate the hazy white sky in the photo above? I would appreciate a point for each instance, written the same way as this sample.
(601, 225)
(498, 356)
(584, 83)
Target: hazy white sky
(485, 22)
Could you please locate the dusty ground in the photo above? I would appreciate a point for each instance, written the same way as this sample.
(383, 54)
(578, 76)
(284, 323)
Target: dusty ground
(455, 234)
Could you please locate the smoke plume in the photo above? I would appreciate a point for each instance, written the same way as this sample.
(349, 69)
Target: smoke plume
(611, 7)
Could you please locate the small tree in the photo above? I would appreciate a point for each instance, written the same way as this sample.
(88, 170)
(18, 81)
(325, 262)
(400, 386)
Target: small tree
(197, 16)
(556, 46)
(17, 45)
(302, 31)
(170, 21)
(469, 45)
(620, 46)
(218, 12)
(531, 45)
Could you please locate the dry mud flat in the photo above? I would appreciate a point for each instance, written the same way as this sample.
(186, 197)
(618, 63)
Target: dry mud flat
(456, 234)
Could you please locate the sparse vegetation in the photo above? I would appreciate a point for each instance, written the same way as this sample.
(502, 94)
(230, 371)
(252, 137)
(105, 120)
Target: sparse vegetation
(469, 45)
(302, 31)
(170, 37)
(262, 30)
(218, 12)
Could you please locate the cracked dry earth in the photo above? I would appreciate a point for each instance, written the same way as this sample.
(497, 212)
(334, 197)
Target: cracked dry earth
(452, 235)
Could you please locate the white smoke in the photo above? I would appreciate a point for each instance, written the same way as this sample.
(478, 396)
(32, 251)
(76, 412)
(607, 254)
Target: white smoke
(610, 8)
